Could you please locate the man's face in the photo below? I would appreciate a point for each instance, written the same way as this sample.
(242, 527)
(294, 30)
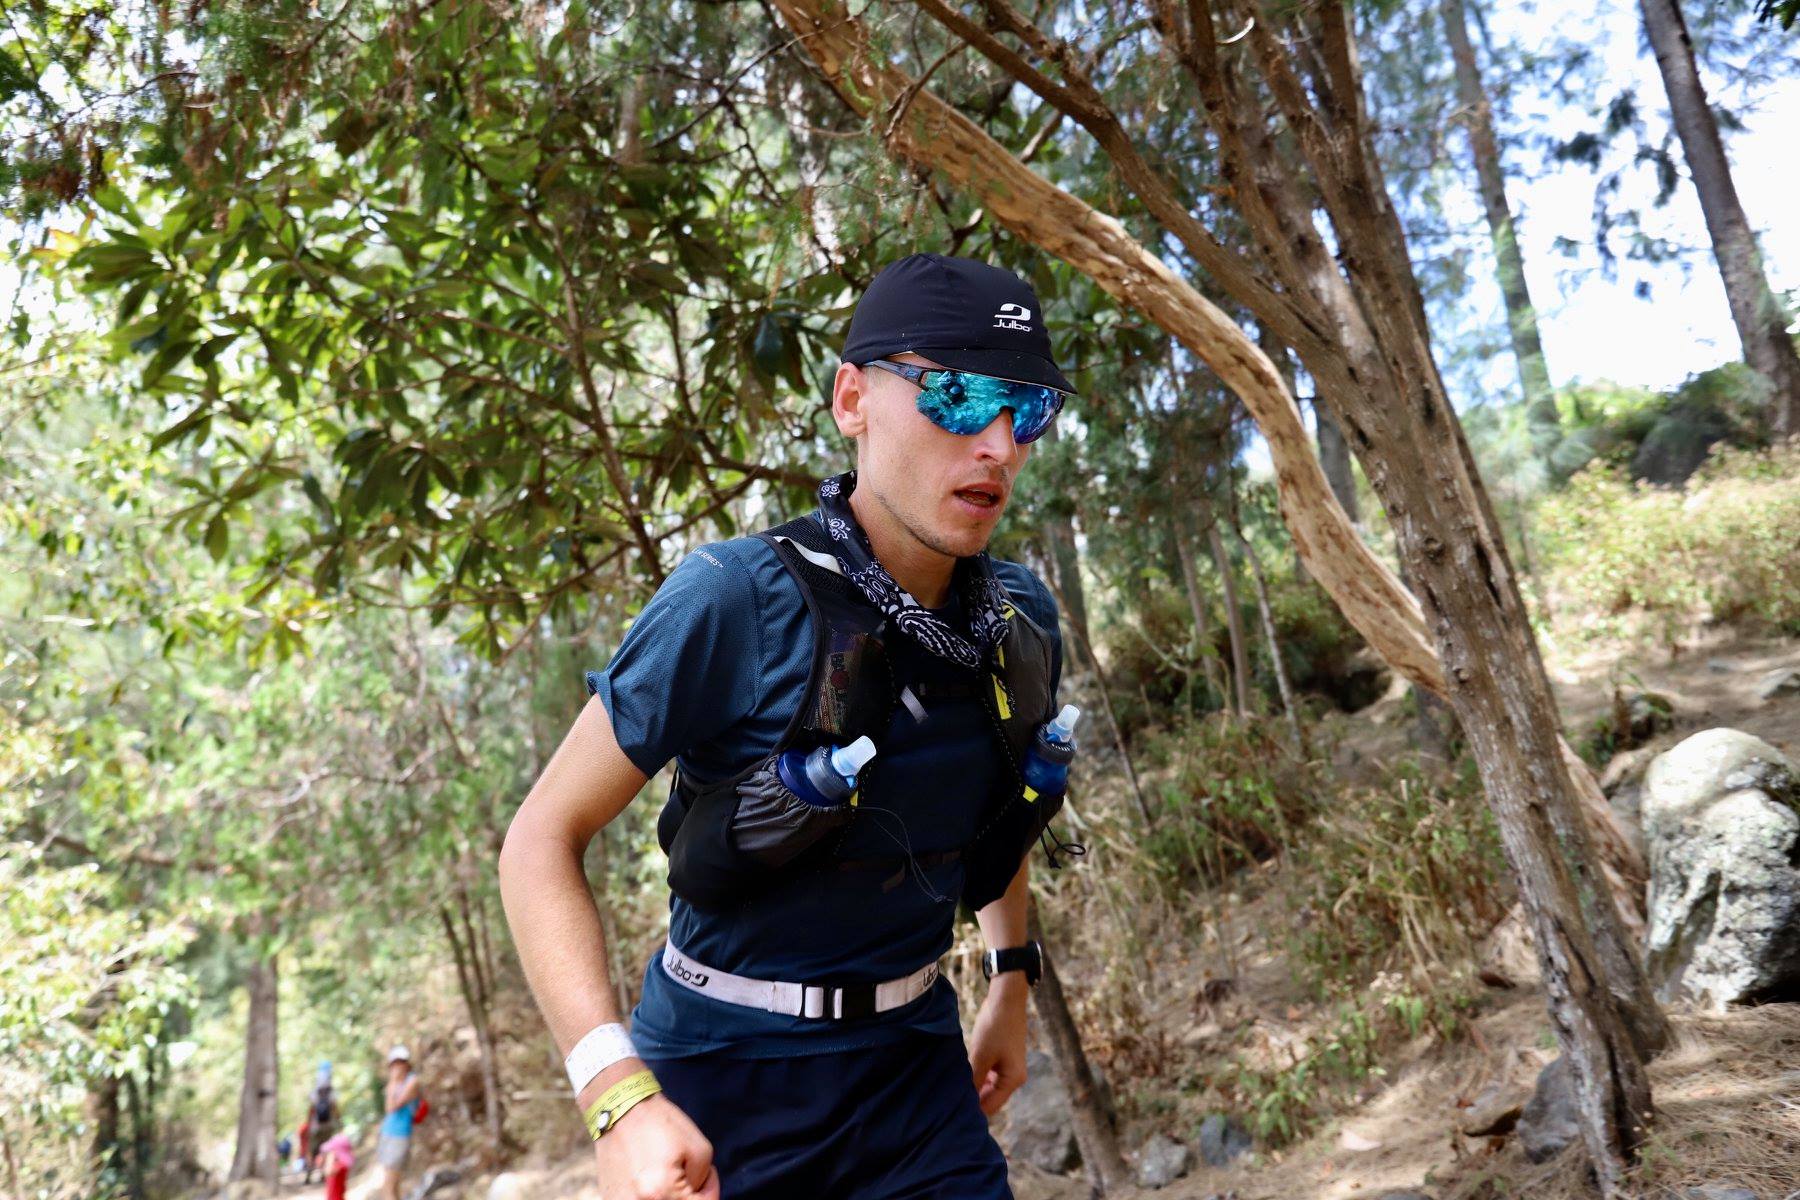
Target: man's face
(946, 489)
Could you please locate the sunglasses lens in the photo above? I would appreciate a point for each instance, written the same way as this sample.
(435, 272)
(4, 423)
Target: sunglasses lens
(966, 404)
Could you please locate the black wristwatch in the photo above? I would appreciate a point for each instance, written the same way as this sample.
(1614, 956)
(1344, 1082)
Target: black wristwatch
(1028, 958)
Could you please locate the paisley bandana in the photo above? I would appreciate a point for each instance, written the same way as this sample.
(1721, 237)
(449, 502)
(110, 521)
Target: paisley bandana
(984, 597)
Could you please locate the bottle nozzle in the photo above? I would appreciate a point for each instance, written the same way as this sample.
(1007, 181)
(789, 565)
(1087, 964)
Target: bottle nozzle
(1064, 725)
(850, 760)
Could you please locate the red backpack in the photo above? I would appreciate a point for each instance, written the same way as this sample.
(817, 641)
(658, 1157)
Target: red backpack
(422, 1110)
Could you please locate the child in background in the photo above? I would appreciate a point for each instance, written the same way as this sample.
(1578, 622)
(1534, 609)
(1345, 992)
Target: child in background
(336, 1157)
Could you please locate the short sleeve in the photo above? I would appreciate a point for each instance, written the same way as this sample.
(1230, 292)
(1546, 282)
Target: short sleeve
(690, 666)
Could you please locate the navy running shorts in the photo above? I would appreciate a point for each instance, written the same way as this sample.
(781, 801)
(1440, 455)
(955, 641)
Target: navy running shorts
(893, 1122)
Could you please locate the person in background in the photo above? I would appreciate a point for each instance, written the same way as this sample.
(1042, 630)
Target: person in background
(401, 1098)
(322, 1118)
(336, 1157)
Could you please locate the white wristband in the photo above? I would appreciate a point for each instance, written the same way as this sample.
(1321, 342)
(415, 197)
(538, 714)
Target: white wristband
(600, 1048)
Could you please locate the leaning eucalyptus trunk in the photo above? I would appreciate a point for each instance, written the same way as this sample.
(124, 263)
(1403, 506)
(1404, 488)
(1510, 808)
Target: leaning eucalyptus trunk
(1364, 340)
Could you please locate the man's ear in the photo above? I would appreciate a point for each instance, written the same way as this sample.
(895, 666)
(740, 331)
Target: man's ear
(849, 394)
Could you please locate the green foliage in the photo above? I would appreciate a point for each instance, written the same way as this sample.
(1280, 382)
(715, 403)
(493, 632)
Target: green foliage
(1722, 550)
(1282, 1103)
(1231, 795)
(1398, 876)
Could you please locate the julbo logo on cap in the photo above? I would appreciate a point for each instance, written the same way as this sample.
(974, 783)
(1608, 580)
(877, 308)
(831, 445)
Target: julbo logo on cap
(959, 313)
(1013, 316)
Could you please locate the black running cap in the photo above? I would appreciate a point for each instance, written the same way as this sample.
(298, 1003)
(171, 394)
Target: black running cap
(960, 313)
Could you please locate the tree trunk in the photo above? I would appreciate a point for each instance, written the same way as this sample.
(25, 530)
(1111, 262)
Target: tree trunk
(1102, 686)
(101, 1110)
(1096, 1127)
(1234, 618)
(255, 1155)
(1065, 560)
(469, 978)
(1282, 685)
(1190, 580)
(1334, 456)
(1761, 322)
(1365, 341)
(1521, 316)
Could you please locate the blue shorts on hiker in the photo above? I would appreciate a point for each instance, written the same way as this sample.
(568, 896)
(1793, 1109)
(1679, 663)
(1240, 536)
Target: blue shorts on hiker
(897, 1121)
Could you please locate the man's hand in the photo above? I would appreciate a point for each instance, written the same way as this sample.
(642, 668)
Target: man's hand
(997, 1045)
(655, 1152)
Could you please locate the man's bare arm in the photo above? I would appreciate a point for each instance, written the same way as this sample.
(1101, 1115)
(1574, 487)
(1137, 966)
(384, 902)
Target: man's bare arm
(997, 1043)
(555, 925)
(655, 1151)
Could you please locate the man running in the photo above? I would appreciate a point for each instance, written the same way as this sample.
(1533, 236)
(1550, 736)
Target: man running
(794, 1038)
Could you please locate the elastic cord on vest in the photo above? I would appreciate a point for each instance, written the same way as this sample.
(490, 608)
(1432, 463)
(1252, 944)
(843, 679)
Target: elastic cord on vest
(1057, 845)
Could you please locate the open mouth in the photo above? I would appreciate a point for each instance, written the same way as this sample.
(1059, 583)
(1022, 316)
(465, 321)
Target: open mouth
(981, 495)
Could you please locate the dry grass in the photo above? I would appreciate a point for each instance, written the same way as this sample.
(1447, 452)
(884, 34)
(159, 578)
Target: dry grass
(1728, 1113)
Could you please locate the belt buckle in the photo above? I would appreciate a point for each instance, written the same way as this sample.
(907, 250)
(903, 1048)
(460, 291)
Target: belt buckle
(854, 1001)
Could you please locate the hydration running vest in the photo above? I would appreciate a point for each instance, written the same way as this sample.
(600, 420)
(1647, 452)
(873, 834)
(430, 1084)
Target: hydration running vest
(857, 685)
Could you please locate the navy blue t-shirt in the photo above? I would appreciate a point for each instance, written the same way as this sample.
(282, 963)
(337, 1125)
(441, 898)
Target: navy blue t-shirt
(710, 674)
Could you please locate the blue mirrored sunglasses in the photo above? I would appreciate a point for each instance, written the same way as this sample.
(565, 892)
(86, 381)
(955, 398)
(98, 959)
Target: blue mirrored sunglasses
(965, 403)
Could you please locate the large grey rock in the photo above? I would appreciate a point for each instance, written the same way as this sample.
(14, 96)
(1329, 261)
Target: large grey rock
(1720, 1191)
(1495, 1111)
(1721, 817)
(1223, 1139)
(436, 1180)
(1782, 681)
(1548, 1125)
(1678, 442)
(1039, 1129)
(1162, 1161)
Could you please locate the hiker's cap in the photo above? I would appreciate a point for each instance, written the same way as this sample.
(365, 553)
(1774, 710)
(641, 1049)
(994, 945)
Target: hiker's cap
(399, 1054)
(960, 313)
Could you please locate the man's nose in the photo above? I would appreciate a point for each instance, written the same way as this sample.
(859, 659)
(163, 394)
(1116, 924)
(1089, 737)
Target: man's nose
(995, 443)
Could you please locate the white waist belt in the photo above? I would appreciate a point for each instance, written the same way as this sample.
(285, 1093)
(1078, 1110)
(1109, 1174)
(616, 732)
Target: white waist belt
(798, 999)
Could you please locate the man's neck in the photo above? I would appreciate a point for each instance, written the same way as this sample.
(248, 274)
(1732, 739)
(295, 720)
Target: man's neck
(922, 571)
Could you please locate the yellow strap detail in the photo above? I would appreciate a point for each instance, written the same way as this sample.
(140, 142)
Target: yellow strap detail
(1000, 700)
(618, 1100)
(1031, 793)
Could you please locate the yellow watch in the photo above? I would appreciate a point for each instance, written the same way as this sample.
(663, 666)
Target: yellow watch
(618, 1100)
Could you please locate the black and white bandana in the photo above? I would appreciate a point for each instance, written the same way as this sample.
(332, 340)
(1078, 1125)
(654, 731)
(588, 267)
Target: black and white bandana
(983, 596)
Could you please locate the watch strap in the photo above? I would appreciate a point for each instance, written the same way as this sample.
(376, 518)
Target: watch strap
(1028, 958)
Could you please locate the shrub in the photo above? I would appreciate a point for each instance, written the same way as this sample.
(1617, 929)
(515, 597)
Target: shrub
(1233, 794)
(1405, 874)
(1725, 549)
